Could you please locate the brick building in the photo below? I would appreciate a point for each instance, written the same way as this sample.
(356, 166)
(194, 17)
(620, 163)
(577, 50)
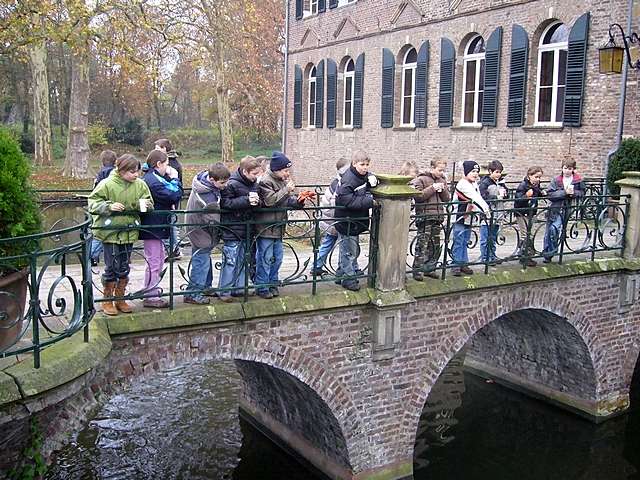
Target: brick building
(512, 80)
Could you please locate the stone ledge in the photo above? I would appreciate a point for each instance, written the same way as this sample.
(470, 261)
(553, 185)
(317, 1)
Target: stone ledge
(516, 275)
(61, 363)
(189, 317)
(8, 389)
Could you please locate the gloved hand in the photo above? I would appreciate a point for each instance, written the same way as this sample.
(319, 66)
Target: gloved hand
(372, 180)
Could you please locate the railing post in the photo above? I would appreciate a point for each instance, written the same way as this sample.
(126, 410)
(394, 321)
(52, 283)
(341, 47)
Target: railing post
(394, 196)
(630, 185)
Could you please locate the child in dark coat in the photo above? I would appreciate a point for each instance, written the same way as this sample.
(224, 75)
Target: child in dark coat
(526, 207)
(239, 200)
(108, 160)
(166, 193)
(562, 190)
(354, 195)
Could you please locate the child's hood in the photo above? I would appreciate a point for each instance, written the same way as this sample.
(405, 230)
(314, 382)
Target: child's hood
(201, 183)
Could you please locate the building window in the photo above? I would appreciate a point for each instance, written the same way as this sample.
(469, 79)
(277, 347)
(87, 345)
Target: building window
(347, 107)
(552, 69)
(311, 115)
(473, 82)
(408, 95)
(342, 3)
(311, 7)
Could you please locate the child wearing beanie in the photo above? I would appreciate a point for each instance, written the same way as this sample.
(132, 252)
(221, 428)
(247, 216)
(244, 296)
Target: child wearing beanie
(275, 190)
(471, 204)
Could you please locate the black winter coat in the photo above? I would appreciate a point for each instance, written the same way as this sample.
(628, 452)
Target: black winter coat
(175, 163)
(163, 199)
(102, 174)
(353, 193)
(236, 207)
(522, 201)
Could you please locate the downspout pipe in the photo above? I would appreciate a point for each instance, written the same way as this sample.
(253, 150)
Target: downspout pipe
(286, 78)
(623, 97)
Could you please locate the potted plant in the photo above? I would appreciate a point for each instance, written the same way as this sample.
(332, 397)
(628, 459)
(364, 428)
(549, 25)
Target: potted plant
(19, 217)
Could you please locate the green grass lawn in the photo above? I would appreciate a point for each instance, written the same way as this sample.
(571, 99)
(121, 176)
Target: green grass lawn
(194, 159)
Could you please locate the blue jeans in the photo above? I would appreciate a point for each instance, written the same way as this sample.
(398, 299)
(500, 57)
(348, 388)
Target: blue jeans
(268, 262)
(96, 249)
(328, 241)
(461, 236)
(488, 237)
(233, 267)
(349, 250)
(201, 275)
(552, 235)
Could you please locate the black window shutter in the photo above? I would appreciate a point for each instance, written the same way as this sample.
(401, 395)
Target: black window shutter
(576, 63)
(332, 88)
(447, 71)
(299, 7)
(333, 3)
(518, 76)
(322, 6)
(358, 87)
(388, 73)
(297, 98)
(319, 93)
(420, 110)
(493, 51)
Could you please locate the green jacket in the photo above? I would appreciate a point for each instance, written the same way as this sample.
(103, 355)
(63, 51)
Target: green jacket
(115, 189)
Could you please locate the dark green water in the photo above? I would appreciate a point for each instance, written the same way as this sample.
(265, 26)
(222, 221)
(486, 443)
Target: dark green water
(183, 424)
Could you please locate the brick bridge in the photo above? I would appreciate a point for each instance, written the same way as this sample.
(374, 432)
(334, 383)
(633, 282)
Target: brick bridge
(341, 378)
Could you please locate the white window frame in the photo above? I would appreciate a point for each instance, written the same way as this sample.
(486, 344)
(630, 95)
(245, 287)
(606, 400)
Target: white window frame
(479, 58)
(555, 48)
(352, 76)
(344, 3)
(411, 68)
(311, 102)
(313, 8)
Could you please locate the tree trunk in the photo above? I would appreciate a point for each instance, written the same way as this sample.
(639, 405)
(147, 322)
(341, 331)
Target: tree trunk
(224, 110)
(76, 162)
(41, 119)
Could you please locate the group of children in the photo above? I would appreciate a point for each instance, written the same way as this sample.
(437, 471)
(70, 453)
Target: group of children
(476, 200)
(250, 207)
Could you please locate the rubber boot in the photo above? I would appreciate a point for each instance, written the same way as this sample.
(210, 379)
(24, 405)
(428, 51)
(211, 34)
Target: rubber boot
(108, 308)
(121, 305)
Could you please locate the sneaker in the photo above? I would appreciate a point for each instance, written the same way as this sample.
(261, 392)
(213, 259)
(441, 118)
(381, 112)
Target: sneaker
(456, 272)
(210, 292)
(274, 291)
(418, 276)
(530, 262)
(197, 300)
(318, 272)
(466, 270)
(352, 285)
(433, 275)
(547, 260)
(266, 294)
(155, 303)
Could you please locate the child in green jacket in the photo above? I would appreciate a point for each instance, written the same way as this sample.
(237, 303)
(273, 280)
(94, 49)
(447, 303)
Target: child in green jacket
(116, 203)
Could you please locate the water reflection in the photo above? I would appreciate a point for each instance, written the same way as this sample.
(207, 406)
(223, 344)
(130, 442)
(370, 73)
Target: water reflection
(498, 434)
(182, 423)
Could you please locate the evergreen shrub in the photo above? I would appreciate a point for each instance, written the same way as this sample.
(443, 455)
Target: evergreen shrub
(626, 159)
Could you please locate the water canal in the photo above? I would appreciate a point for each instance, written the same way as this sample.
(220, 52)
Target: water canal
(184, 423)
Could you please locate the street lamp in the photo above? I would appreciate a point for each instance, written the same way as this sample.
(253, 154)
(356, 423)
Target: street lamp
(611, 55)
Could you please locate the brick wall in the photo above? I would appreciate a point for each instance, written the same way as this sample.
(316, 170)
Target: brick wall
(368, 28)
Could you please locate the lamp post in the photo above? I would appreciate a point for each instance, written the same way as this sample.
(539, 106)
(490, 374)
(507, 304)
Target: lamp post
(611, 55)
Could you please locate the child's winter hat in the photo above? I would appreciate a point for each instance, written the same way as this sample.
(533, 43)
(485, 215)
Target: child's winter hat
(279, 161)
(469, 166)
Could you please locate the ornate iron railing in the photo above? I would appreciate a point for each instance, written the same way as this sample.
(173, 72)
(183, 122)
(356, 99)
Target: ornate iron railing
(302, 265)
(587, 227)
(45, 289)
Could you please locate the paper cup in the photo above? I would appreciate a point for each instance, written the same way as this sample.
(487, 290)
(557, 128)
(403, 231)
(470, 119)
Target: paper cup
(143, 205)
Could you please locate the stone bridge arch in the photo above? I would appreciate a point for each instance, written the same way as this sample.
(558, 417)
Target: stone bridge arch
(332, 423)
(499, 305)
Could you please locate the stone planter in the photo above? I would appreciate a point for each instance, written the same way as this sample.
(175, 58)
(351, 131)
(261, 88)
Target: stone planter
(13, 294)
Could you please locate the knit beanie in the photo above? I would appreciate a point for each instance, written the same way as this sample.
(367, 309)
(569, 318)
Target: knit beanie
(279, 161)
(470, 165)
